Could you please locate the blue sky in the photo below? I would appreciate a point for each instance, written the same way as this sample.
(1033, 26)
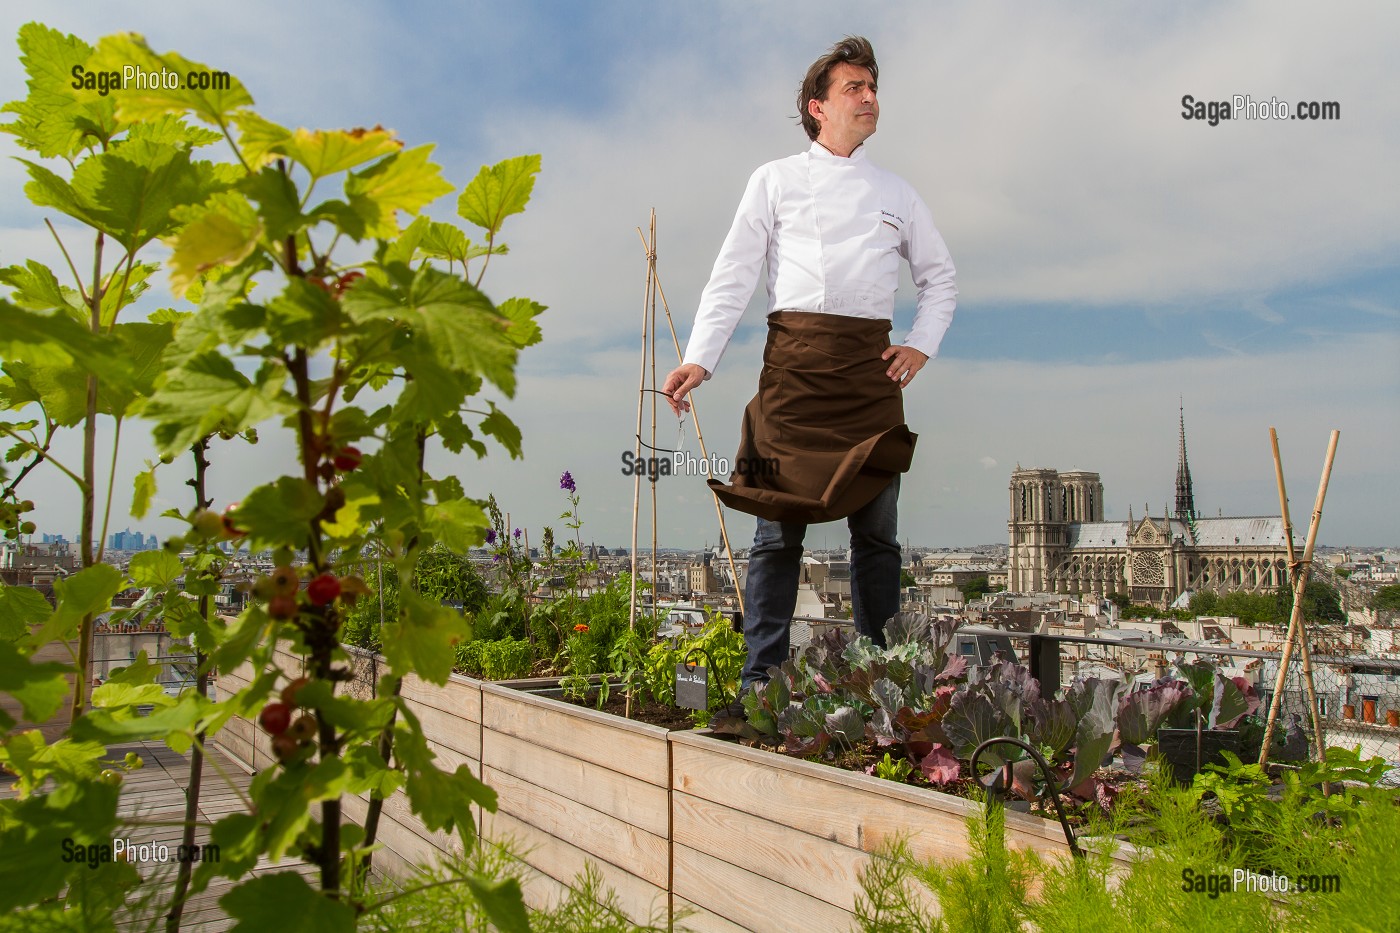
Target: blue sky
(1113, 258)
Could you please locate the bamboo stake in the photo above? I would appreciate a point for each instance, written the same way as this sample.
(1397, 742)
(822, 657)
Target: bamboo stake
(700, 436)
(651, 349)
(1299, 572)
(637, 452)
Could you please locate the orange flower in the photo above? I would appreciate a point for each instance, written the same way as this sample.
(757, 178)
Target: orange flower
(581, 627)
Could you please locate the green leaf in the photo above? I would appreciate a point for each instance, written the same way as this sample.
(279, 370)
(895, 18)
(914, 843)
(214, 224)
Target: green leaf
(444, 241)
(499, 191)
(442, 800)
(20, 608)
(277, 201)
(138, 673)
(122, 287)
(521, 312)
(460, 524)
(284, 901)
(170, 130)
(113, 695)
(87, 592)
(403, 181)
(40, 688)
(504, 430)
(503, 902)
(421, 639)
(326, 152)
(29, 757)
(155, 568)
(136, 104)
(36, 288)
(140, 348)
(130, 192)
(143, 490)
(259, 140)
(238, 640)
(45, 189)
(279, 514)
(208, 395)
(173, 724)
(44, 339)
(363, 716)
(221, 232)
(57, 120)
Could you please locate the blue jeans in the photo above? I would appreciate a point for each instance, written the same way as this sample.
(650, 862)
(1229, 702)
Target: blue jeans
(775, 564)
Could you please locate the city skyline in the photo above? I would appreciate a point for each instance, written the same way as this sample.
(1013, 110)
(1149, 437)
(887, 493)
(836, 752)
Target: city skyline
(1115, 260)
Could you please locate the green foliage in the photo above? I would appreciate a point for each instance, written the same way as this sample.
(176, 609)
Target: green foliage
(1162, 886)
(975, 588)
(432, 901)
(717, 646)
(890, 770)
(502, 659)
(1387, 597)
(1321, 603)
(439, 574)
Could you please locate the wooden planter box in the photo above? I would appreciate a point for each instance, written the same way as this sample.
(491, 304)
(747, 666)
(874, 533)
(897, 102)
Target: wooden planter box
(576, 785)
(741, 839)
(765, 842)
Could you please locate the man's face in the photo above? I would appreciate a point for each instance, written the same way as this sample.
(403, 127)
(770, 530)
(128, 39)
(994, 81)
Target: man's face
(848, 115)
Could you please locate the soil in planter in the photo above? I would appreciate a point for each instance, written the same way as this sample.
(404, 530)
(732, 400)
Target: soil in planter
(656, 714)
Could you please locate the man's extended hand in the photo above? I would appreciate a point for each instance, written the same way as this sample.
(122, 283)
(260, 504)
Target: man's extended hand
(906, 364)
(679, 383)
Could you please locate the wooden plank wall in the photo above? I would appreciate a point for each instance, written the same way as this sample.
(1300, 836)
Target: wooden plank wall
(733, 837)
(576, 785)
(451, 718)
(760, 840)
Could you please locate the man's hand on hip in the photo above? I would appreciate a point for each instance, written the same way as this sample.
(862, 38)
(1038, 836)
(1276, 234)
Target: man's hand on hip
(679, 383)
(905, 364)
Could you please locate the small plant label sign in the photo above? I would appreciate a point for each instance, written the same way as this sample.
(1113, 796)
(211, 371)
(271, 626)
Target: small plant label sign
(692, 687)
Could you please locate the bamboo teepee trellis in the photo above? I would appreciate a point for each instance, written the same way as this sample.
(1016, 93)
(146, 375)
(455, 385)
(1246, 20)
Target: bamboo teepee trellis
(652, 292)
(1298, 572)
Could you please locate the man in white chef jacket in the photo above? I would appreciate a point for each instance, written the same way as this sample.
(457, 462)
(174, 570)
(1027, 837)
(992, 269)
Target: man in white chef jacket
(832, 229)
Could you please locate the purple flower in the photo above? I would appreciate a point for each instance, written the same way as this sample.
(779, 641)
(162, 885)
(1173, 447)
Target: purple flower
(517, 534)
(495, 558)
(567, 482)
(490, 536)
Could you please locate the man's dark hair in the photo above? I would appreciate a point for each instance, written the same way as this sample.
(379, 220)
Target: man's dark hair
(854, 50)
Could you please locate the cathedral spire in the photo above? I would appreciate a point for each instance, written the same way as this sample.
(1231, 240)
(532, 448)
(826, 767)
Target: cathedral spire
(1185, 501)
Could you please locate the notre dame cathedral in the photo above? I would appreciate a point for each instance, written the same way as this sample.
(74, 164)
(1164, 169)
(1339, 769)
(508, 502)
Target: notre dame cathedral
(1060, 542)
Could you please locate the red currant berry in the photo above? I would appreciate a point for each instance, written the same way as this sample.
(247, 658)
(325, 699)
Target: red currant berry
(323, 589)
(275, 718)
(347, 459)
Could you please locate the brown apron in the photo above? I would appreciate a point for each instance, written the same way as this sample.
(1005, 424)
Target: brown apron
(825, 434)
